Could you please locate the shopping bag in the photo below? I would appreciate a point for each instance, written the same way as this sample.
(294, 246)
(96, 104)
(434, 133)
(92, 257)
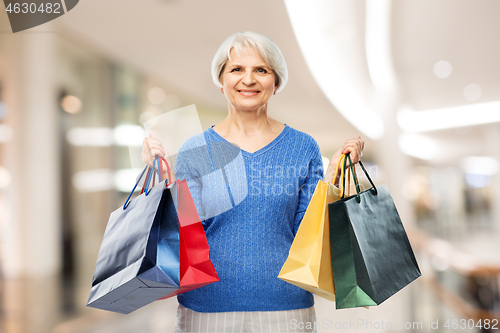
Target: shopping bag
(372, 258)
(309, 264)
(196, 268)
(138, 236)
(139, 258)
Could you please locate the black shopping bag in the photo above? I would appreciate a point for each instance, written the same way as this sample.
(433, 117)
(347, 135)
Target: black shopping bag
(371, 256)
(138, 261)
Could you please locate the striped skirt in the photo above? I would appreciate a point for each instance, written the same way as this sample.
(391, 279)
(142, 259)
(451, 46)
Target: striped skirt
(300, 320)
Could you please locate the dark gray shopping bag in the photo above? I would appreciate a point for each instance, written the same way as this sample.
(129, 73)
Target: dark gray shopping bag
(371, 256)
(138, 261)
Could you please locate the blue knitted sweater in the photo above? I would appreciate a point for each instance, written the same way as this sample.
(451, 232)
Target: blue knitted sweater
(251, 206)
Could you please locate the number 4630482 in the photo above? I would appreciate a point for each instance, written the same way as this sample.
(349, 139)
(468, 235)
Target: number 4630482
(32, 8)
(471, 323)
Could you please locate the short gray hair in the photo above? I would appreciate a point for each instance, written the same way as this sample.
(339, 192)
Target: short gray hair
(264, 45)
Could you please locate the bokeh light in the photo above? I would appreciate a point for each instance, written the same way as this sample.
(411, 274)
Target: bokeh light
(440, 262)
(472, 92)
(442, 69)
(2, 110)
(5, 177)
(156, 95)
(5, 133)
(71, 104)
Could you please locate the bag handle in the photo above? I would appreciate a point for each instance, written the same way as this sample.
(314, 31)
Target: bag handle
(339, 163)
(367, 176)
(337, 168)
(169, 175)
(358, 197)
(145, 180)
(151, 175)
(349, 181)
(148, 180)
(147, 176)
(342, 179)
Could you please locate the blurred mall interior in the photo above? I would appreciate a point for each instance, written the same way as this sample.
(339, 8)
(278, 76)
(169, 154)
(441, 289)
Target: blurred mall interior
(417, 79)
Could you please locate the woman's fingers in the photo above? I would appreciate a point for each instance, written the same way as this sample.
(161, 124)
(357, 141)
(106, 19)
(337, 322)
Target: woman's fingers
(155, 143)
(147, 149)
(153, 136)
(152, 147)
(146, 154)
(355, 148)
(352, 146)
(155, 149)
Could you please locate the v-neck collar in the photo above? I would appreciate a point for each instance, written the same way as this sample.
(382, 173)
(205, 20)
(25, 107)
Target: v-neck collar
(261, 150)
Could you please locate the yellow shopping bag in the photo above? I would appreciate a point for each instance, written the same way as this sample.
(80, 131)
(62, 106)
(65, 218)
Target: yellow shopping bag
(309, 264)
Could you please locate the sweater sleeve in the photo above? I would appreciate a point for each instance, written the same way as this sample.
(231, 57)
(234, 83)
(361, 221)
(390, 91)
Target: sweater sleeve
(314, 174)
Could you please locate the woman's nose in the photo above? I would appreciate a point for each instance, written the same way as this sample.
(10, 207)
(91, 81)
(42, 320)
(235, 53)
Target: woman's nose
(248, 78)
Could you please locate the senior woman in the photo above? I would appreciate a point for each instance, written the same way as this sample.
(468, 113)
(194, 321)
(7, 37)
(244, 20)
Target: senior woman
(252, 212)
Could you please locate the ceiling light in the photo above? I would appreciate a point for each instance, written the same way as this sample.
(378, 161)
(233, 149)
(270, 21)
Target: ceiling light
(125, 179)
(90, 136)
(418, 146)
(480, 165)
(332, 61)
(452, 117)
(378, 44)
(94, 180)
(477, 181)
(129, 135)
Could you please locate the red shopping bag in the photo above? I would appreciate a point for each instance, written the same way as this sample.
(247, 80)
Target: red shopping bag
(196, 269)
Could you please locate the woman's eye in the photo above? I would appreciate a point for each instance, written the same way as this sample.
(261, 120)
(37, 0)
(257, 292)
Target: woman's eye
(262, 70)
(235, 70)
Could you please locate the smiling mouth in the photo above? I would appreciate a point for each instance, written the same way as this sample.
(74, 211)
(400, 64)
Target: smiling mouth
(248, 92)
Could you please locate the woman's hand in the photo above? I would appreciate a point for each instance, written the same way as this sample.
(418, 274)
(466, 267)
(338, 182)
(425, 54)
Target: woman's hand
(352, 146)
(152, 147)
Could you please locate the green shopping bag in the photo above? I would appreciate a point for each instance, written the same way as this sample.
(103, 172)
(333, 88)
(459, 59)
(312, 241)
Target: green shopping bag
(371, 256)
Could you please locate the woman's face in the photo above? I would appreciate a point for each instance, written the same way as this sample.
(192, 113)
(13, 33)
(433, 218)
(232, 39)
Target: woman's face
(247, 81)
